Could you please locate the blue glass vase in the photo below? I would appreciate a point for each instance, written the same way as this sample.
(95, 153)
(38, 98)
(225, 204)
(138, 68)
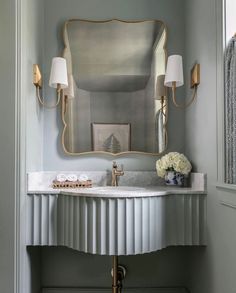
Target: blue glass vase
(174, 178)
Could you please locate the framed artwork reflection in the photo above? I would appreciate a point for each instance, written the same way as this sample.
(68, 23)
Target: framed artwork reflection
(111, 137)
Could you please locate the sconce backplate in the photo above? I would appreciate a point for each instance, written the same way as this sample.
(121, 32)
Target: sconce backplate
(195, 75)
(37, 77)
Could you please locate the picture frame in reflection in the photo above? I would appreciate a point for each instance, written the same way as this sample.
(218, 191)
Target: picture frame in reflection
(111, 137)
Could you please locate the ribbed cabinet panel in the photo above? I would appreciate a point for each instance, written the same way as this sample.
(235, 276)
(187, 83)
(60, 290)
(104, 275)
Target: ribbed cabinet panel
(125, 226)
(118, 226)
(43, 228)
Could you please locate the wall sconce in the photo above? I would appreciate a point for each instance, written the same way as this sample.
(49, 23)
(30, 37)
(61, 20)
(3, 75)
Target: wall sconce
(58, 79)
(174, 78)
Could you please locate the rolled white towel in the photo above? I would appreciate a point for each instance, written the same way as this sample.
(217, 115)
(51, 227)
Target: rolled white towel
(72, 177)
(61, 177)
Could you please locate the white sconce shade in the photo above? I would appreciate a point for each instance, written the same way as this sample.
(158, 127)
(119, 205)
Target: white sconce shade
(58, 73)
(69, 91)
(160, 87)
(174, 71)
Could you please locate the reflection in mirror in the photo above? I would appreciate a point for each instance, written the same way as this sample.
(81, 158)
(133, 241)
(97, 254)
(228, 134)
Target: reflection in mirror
(116, 100)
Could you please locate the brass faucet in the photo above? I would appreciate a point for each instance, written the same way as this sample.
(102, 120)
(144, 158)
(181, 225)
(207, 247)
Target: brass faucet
(115, 173)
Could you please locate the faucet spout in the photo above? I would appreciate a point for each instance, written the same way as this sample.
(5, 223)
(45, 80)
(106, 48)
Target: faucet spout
(115, 173)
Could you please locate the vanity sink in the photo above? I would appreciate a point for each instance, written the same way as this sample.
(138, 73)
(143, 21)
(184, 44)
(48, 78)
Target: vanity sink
(123, 220)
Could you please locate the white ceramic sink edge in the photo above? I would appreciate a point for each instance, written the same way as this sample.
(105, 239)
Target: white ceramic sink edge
(118, 188)
(129, 191)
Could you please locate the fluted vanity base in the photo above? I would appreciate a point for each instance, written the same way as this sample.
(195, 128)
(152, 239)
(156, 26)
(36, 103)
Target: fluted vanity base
(116, 226)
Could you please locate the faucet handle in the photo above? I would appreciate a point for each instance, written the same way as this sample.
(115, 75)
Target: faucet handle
(115, 166)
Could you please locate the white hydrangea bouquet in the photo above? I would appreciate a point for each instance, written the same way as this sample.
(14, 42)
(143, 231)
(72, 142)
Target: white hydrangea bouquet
(173, 167)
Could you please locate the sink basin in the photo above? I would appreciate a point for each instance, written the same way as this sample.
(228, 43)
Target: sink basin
(116, 189)
(126, 191)
(112, 191)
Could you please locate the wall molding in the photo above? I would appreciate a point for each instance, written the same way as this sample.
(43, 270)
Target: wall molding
(228, 204)
(20, 165)
(220, 45)
(104, 290)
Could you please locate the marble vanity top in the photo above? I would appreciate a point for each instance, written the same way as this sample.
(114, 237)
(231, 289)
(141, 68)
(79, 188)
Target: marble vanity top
(132, 184)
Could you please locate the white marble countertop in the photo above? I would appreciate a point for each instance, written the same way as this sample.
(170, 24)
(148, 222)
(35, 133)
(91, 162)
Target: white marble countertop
(134, 184)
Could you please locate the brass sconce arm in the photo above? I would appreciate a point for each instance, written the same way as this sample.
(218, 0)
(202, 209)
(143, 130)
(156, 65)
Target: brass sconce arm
(195, 81)
(41, 99)
(188, 103)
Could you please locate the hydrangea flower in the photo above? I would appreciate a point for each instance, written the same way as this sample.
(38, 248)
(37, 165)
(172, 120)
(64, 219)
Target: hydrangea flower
(173, 161)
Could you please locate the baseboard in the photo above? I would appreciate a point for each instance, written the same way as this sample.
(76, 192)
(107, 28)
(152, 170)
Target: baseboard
(106, 290)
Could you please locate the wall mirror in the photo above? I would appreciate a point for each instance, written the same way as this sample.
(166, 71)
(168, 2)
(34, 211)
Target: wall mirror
(113, 103)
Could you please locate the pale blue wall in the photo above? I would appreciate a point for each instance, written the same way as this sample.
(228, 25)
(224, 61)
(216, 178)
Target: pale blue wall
(213, 268)
(32, 52)
(31, 132)
(56, 12)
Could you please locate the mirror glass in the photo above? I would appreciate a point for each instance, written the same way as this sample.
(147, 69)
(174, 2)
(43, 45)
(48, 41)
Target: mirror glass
(116, 101)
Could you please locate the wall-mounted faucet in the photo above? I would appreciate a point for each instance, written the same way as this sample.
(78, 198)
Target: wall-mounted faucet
(115, 173)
